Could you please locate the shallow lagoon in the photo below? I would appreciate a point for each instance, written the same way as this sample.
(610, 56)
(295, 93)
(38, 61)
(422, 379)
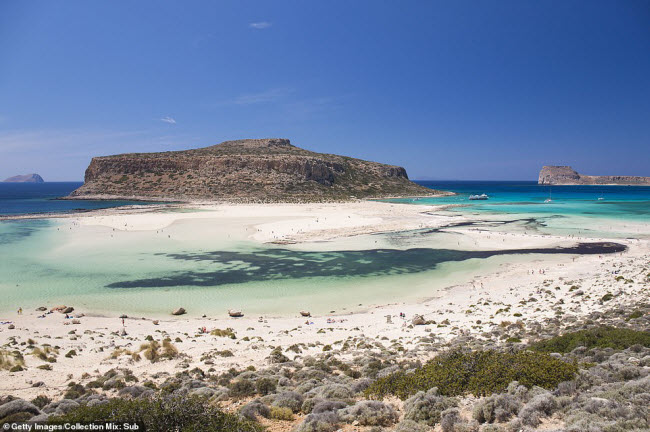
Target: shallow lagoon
(209, 267)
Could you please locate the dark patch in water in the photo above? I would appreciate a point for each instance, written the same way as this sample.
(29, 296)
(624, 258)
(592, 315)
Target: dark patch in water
(18, 230)
(275, 264)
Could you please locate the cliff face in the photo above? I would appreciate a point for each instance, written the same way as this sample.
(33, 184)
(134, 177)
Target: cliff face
(262, 169)
(27, 178)
(565, 175)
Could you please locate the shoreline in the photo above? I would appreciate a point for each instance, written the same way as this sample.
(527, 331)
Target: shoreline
(504, 304)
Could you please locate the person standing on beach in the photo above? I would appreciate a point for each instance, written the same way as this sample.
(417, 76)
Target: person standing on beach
(20, 311)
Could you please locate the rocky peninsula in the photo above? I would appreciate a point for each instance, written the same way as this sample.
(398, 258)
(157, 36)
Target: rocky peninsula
(261, 170)
(565, 175)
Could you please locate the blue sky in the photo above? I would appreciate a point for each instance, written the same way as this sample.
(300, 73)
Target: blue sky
(447, 89)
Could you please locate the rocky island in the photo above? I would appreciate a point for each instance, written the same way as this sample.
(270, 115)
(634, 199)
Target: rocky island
(270, 169)
(27, 178)
(565, 175)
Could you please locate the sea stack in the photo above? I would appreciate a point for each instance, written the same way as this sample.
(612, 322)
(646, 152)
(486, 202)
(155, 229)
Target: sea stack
(260, 170)
(26, 178)
(565, 175)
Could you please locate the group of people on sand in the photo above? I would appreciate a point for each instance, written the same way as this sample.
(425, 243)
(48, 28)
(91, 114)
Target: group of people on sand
(540, 271)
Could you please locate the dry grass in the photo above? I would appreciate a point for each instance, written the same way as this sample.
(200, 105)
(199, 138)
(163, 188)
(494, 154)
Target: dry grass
(154, 351)
(10, 360)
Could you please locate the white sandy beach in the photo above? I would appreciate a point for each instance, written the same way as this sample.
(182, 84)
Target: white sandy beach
(517, 290)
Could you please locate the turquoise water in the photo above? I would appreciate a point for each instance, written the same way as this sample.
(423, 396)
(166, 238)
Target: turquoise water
(521, 198)
(208, 268)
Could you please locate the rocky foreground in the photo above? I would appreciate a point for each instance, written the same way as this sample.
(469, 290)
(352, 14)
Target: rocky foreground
(250, 170)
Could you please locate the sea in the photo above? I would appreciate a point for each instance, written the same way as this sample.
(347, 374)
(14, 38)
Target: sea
(33, 198)
(202, 266)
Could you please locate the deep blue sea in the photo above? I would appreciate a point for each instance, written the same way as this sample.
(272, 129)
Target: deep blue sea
(28, 198)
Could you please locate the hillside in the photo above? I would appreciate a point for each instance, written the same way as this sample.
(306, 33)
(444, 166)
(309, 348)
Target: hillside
(269, 169)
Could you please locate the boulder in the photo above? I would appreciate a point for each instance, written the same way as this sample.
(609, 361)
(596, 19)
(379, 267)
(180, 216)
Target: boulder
(179, 311)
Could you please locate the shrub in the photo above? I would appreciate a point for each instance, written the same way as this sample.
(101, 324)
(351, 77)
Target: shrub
(289, 399)
(276, 356)
(41, 400)
(499, 407)
(160, 414)
(427, 407)
(452, 422)
(478, 372)
(539, 406)
(254, 408)
(321, 422)
(332, 391)
(242, 388)
(265, 386)
(601, 337)
(635, 314)
(281, 413)
(369, 413)
(229, 333)
(154, 351)
(411, 426)
(327, 405)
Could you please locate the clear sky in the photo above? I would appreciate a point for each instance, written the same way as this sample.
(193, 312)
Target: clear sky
(447, 89)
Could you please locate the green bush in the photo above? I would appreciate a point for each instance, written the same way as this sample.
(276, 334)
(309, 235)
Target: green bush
(634, 315)
(601, 337)
(160, 414)
(480, 373)
(281, 413)
(265, 386)
(229, 333)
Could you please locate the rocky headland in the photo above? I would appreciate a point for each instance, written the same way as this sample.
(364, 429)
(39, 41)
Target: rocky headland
(27, 178)
(565, 175)
(264, 170)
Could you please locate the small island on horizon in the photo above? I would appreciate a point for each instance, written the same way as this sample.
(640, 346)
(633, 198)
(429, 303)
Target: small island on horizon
(565, 175)
(26, 178)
